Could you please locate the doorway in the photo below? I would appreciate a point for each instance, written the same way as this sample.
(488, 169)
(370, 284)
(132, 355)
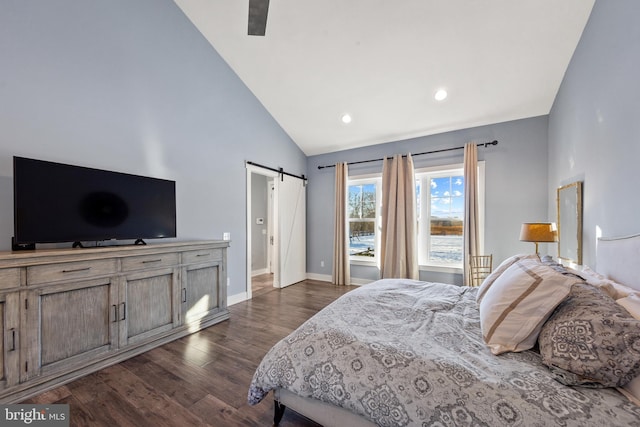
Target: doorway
(261, 230)
(276, 230)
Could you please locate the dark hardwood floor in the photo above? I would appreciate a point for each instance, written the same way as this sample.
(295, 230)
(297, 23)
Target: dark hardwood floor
(201, 379)
(261, 284)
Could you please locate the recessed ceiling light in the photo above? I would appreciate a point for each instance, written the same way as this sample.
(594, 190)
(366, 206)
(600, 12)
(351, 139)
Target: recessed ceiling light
(440, 95)
(346, 118)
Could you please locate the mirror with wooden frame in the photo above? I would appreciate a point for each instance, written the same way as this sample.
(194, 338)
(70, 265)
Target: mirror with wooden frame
(569, 203)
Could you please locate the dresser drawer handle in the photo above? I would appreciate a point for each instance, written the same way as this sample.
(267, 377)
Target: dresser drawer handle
(151, 260)
(13, 340)
(77, 270)
(207, 254)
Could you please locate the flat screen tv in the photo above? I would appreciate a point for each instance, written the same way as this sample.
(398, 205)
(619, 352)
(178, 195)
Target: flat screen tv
(55, 202)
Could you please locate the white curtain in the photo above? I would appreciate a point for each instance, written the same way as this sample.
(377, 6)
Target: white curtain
(471, 226)
(341, 269)
(398, 252)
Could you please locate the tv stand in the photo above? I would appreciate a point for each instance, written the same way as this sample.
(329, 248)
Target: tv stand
(139, 242)
(65, 312)
(77, 245)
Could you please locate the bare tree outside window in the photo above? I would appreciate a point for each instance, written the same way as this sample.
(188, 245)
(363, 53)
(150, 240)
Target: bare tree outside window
(362, 219)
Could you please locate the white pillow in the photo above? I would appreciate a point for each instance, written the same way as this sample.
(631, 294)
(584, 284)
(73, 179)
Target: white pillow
(610, 287)
(488, 281)
(615, 290)
(518, 302)
(591, 276)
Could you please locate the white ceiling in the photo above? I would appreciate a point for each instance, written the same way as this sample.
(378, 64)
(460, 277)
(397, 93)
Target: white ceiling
(381, 61)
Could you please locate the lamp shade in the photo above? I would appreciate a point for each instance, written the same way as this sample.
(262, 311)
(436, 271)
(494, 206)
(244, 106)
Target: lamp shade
(539, 232)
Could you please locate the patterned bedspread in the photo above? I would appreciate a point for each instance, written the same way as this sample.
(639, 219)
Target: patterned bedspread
(407, 353)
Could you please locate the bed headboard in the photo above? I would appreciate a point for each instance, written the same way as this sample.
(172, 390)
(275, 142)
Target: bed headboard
(618, 259)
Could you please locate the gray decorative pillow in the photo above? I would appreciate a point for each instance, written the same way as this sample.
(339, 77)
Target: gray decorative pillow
(591, 340)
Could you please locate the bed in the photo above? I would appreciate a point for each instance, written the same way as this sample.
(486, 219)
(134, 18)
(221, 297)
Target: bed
(408, 353)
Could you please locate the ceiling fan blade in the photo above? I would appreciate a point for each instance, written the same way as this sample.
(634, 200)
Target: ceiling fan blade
(258, 10)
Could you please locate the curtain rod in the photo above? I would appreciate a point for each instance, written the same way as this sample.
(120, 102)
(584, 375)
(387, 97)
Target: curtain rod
(484, 144)
(279, 170)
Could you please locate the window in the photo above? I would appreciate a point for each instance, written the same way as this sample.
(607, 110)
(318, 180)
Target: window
(440, 218)
(439, 212)
(363, 213)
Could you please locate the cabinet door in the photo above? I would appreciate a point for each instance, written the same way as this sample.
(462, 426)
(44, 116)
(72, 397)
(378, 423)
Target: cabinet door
(69, 324)
(9, 344)
(148, 305)
(201, 296)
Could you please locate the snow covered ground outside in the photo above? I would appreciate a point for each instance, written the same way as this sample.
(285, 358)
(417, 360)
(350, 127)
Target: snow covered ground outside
(444, 249)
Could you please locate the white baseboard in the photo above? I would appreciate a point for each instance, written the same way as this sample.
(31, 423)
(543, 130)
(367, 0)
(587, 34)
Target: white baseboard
(237, 298)
(321, 277)
(359, 282)
(259, 272)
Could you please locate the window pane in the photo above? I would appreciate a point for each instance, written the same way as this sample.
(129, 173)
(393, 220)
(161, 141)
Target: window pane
(418, 190)
(362, 237)
(447, 214)
(457, 186)
(362, 201)
(446, 249)
(440, 187)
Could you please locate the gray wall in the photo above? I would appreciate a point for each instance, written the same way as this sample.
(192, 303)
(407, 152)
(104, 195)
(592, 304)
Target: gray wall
(594, 127)
(516, 187)
(134, 87)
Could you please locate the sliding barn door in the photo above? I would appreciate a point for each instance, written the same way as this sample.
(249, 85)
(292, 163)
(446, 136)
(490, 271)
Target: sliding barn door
(292, 243)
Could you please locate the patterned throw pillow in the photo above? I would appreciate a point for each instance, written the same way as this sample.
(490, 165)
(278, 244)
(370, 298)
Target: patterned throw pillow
(518, 302)
(590, 340)
(632, 389)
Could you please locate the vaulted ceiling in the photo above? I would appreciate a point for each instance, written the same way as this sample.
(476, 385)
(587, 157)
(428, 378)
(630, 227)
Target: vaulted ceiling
(382, 61)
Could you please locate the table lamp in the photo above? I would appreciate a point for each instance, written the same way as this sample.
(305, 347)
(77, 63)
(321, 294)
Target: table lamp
(539, 232)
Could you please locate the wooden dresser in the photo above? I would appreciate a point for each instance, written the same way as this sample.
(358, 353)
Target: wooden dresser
(67, 312)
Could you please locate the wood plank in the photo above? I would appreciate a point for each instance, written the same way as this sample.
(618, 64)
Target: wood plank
(144, 394)
(78, 413)
(51, 396)
(162, 380)
(212, 408)
(201, 379)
